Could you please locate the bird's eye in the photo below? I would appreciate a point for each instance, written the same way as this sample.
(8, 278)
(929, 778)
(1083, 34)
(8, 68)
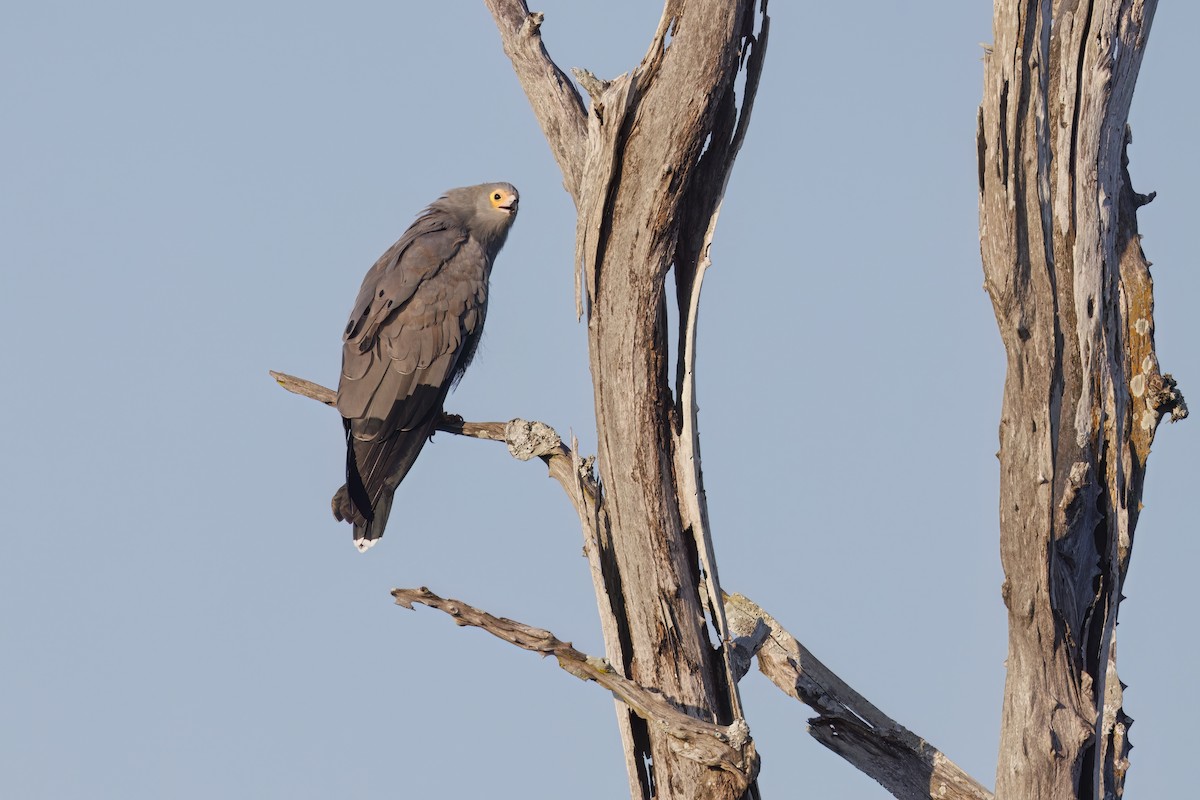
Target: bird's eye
(502, 200)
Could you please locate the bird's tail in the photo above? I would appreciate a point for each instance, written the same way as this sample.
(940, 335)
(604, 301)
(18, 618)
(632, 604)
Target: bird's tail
(366, 531)
(373, 471)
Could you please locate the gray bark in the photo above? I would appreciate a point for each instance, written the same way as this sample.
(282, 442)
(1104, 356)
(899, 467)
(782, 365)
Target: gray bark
(1084, 394)
(647, 189)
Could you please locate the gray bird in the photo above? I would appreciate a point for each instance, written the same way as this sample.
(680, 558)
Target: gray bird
(412, 333)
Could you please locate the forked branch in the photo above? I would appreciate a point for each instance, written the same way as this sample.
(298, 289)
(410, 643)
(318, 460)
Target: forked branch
(556, 104)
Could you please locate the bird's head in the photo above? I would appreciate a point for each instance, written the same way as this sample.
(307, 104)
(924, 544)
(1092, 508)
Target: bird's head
(487, 210)
(502, 198)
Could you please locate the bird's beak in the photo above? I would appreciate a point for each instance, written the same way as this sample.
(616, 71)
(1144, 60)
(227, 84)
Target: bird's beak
(509, 204)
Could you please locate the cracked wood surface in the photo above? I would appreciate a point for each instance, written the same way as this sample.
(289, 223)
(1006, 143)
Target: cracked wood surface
(637, 173)
(1073, 300)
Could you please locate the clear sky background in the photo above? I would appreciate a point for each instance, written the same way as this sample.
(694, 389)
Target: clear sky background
(191, 194)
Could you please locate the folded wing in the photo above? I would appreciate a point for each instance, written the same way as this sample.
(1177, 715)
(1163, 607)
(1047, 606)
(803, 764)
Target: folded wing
(413, 327)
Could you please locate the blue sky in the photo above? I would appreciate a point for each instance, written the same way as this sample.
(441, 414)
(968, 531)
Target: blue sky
(191, 197)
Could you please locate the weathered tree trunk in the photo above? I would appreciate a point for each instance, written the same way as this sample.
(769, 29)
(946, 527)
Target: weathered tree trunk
(1084, 394)
(656, 558)
(647, 166)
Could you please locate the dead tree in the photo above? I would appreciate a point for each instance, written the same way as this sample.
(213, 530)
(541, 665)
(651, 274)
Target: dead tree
(1084, 394)
(646, 161)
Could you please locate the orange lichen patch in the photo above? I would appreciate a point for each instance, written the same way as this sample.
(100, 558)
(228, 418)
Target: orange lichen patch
(1137, 292)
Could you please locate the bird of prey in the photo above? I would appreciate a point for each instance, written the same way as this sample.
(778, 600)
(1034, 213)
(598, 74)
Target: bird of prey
(412, 333)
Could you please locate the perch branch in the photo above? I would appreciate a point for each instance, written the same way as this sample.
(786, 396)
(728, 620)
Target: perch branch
(525, 440)
(712, 745)
(555, 101)
(847, 723)
(305, 388)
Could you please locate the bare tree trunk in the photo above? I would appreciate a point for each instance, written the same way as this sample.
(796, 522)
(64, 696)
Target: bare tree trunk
(647, 178)
(1084, 394)
(656, 559)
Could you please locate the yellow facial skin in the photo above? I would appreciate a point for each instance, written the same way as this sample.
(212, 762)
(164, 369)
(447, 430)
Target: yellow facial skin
(503, 200)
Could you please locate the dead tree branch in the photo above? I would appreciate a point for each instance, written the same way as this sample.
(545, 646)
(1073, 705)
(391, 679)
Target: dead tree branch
(847, 723)
(706, 743)
(525, 441)
(305, 388)
(556, 104)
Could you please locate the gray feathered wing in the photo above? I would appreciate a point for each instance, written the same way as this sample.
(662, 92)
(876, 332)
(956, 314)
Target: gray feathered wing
(413, 329)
